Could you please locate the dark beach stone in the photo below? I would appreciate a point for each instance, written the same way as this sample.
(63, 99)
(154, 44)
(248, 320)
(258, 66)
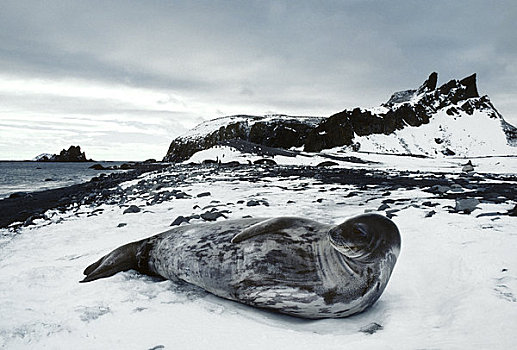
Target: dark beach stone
(209, 161)
(439, 189)
(430, 214)
(49, 179)
(204, 194)
(390, 213)
(97, 167)
(122, 224)
(383, 207)
(264, 161)
(326, 163)
(18, 195)
(212, 216)
(466, 205)
(371, 328)
(179, 220)
(513, 212)
(132, 209)
(252, 203)
(233, 163)
(181, 195)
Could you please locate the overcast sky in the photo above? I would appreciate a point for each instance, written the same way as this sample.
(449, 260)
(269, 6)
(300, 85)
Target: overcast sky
(123, 78)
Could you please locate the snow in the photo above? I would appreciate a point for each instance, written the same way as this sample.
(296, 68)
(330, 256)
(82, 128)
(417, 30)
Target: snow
(41, 156)
(468, 135)
(210, 126)
(503, 164)
(454, 285)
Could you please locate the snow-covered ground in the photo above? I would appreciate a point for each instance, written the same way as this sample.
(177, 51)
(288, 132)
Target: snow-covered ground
(504, 164)
(467, 135)
(453, 287)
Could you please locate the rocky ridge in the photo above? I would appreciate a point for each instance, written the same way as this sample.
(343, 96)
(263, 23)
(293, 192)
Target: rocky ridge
(73, 154)
(406, 110)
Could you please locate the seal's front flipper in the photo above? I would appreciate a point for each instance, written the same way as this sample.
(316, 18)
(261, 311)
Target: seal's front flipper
(271, 226)
(127, 257)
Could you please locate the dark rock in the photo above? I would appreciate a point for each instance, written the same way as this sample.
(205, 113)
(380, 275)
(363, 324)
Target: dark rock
(448, 152)
(513, 212)
(209, 162)
(122, 224)
(264, 161)
(98, 167)
(383, 207)
(391, 213)
(439, 189)
(49, 179)
(73, 154)
(179, 220)
(327, 163)
(181, 195)
(429, 84)
(430, 214)
(468, 167)
(371, 328)
(212, 216)
(252, 203)
(466, 205)
(204, 194)
(132, 209)
(233, 163)
(18, 195)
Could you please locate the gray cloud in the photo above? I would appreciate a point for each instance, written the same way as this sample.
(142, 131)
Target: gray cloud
(300, 57)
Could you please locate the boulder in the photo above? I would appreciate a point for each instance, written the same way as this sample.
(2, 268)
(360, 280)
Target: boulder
(466, 205)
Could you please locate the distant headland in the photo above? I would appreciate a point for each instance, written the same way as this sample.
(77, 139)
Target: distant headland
(73, 154)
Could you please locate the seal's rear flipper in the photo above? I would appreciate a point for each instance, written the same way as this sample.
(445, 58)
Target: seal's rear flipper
(127, 257)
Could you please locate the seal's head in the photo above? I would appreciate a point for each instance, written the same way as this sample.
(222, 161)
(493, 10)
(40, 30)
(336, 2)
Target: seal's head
(366, 237)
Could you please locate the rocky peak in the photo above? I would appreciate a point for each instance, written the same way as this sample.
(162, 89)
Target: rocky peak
(429, 84)
(404, 108)
(409, 108)
(73, 154)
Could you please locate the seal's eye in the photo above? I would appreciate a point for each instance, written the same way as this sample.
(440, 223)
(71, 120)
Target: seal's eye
(359, 230)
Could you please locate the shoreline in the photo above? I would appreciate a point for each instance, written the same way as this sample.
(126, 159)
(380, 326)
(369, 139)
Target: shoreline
(24, 207)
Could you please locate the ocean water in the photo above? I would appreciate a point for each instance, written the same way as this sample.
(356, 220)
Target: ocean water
(36, 176)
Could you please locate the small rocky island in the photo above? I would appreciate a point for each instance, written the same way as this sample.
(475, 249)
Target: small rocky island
(73, 154)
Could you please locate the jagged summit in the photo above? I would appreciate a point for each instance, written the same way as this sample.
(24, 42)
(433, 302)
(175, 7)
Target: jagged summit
(407, 95)
(451, 119)
(73, 154)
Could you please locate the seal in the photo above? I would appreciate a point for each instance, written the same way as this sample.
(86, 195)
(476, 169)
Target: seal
(291, 265)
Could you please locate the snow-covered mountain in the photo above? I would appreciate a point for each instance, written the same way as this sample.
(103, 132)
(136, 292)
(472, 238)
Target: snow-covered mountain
(276, 130)
(451, 120)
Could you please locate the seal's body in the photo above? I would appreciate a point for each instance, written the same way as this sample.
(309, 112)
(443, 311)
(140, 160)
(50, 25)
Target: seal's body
(292, 265)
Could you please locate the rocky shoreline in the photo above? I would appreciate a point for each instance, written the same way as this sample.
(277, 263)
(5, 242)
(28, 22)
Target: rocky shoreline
(467, 191)
(22, 208)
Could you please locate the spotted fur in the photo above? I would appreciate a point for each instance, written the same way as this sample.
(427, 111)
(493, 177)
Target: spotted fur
(291, 265)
